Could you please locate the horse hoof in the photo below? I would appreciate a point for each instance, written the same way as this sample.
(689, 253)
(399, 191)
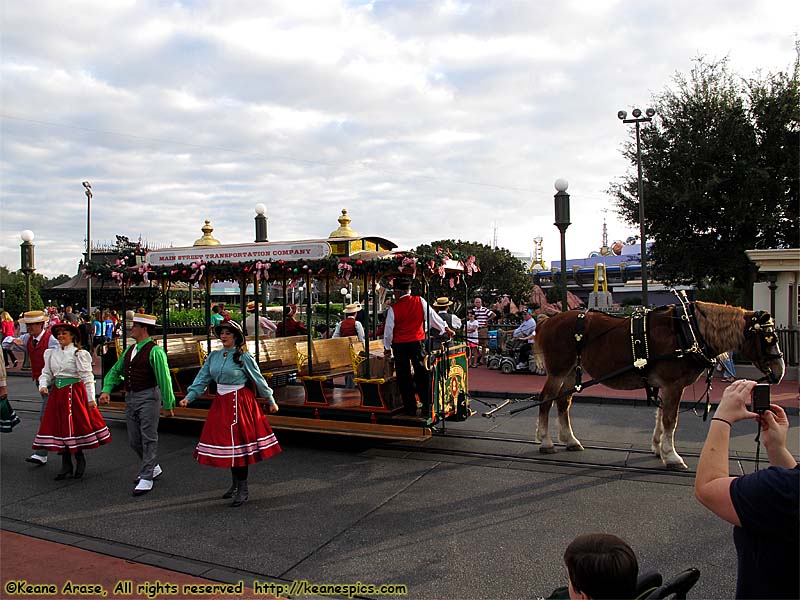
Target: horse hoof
(676, 466)
(547, 450)
(575, 448)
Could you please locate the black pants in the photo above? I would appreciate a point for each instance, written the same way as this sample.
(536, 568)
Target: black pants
(525, 352)
(406, 356)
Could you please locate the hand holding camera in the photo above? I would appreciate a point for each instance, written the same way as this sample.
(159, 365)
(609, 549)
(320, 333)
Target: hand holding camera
(733, 405)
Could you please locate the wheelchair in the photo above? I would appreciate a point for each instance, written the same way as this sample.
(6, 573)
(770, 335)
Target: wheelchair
(651, 586)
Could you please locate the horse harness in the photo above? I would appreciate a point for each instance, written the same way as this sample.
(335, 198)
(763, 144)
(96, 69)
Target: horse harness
(691, 346)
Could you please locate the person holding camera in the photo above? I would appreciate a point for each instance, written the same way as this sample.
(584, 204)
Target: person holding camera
(763, 505)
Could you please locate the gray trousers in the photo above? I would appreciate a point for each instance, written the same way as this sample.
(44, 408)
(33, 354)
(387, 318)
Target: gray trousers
(41, 452)
(142, 411)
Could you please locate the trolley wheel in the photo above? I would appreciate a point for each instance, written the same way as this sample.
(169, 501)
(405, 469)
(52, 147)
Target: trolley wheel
(507, 367)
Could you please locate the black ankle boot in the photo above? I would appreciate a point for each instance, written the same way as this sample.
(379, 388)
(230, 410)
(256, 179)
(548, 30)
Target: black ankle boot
(241, 494)
(80, 465)
(66, 466)
(233, 489)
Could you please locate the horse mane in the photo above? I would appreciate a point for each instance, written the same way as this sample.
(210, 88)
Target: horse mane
(721, 325)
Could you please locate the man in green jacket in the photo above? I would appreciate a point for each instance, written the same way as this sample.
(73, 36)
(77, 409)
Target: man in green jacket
(144, 370)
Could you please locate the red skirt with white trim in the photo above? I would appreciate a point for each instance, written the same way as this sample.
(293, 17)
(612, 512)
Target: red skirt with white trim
(236, 433)
(69, 424)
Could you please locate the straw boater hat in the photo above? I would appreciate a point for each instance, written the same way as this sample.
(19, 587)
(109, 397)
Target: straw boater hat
(442, 302)
(352, 309)
(72, 328)
(34, 316)
(234, 327)
(144, 319)
(251, 306)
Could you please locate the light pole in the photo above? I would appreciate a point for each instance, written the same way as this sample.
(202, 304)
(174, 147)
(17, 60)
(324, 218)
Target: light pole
(261, 236)
(261, 223)
(88, 187)
(26, 261)
(637, 119)
(562, 222)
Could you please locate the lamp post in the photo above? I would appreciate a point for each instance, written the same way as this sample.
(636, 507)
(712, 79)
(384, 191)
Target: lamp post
(88, 187)
(638, 119)
(261, 223)
(562, 222)
(26, 261)
(261, 236)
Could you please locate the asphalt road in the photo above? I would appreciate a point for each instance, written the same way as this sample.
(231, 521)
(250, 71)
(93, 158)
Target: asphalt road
(492, 523)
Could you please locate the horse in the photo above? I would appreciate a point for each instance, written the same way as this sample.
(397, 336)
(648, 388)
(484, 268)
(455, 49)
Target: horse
(605, 349)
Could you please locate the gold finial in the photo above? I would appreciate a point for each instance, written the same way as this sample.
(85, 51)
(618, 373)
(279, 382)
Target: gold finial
(207, 239)
(344, 230)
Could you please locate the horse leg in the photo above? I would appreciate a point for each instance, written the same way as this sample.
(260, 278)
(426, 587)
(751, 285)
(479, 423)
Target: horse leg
(669, 421)
(565, 434)
(551, 389)
(657, 432)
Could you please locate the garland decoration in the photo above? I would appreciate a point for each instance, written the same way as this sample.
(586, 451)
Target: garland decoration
(125, 271)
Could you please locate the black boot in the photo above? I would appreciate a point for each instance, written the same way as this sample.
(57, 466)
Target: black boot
(241, 494)
(80, 464)
(233, 489)
(66, 466)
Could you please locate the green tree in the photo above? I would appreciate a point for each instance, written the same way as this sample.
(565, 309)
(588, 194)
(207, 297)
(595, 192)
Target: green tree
(500, 272)
(719, 173)
(17, 299)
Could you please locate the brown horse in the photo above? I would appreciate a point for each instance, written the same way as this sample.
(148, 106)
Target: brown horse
(607, 349)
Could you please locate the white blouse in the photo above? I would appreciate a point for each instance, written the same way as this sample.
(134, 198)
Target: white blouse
(68, 362)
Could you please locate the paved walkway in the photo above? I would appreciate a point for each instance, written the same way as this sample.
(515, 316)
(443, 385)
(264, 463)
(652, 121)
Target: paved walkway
(56, 563)
(31, 565)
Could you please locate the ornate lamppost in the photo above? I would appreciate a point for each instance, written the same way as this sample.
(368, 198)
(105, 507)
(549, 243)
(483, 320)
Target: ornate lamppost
(637, 119)
(26, 261)
(261, 223)
(88, 187)
(562, 222)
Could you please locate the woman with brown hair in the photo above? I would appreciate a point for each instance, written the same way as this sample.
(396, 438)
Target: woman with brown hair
(236, 433)
(72, 422)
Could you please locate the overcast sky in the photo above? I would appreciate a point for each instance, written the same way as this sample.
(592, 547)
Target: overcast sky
(425, 119)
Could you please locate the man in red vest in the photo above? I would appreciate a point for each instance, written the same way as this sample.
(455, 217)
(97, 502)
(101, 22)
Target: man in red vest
(404, 335)
(350, 326)
(35, 342)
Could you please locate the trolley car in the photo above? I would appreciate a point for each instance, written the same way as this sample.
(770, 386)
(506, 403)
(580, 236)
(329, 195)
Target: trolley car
(307, 375)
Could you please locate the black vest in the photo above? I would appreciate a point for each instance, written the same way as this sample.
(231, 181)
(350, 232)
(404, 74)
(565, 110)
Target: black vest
(139, 374)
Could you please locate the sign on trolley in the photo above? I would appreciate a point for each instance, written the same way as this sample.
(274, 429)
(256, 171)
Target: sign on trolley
(269, 251)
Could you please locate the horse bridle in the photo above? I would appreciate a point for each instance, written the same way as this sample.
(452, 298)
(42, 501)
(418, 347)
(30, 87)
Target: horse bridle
(763, 327)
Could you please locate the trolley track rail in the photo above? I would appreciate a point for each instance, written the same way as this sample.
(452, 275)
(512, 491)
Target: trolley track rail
(560, 459)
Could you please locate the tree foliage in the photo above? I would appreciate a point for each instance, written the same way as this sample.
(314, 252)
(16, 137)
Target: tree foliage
(720, 174)
(17, 299)
(500, 272)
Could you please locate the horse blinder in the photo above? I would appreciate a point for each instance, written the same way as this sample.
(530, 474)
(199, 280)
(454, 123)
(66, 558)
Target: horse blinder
(762, 326)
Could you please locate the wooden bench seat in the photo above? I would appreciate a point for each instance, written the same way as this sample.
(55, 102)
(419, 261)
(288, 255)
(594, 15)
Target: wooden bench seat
(376, 379)
(330, 358)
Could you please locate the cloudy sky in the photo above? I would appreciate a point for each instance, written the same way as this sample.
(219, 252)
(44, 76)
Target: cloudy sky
(425, 119)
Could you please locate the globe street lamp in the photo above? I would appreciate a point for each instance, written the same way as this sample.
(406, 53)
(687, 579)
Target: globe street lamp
(562, 222)
(261, 223)
(637, 119)
(88, 187)
(26, 261)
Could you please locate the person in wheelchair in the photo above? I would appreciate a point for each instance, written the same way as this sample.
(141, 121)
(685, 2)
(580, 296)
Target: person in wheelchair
(526, 332)
(601, 565)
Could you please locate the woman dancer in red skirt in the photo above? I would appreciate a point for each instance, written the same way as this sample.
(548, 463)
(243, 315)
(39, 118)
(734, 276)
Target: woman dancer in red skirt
(236, 433)
(71, 422)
